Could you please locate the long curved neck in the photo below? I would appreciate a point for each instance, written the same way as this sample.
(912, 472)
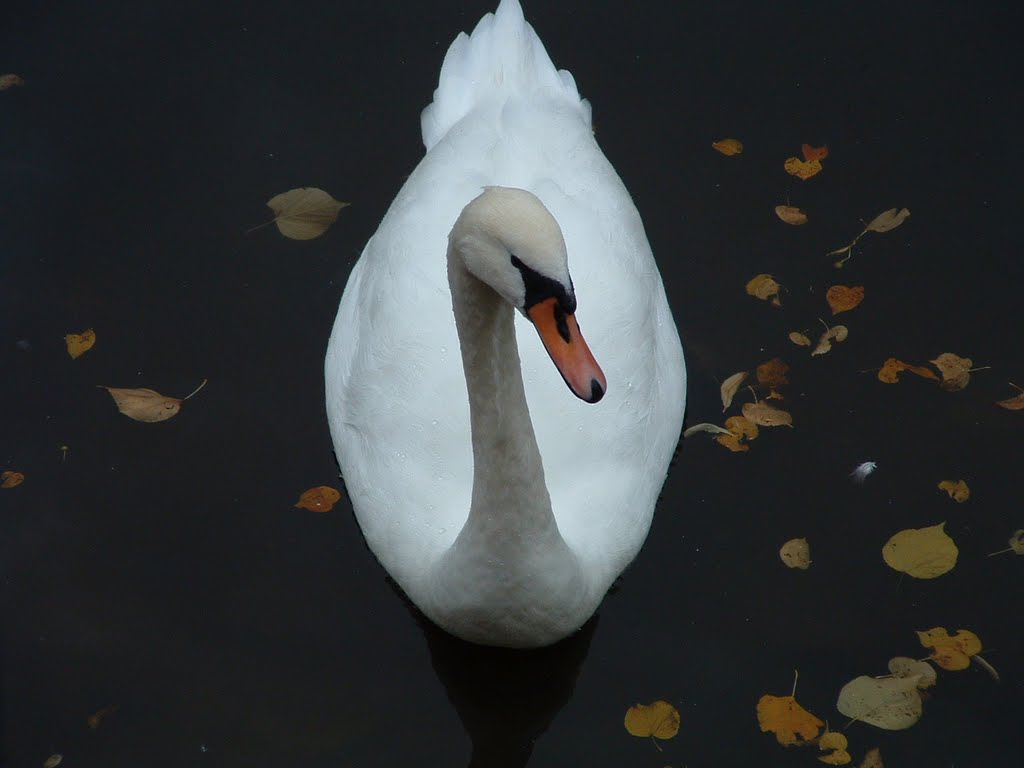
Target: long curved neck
(510, 510)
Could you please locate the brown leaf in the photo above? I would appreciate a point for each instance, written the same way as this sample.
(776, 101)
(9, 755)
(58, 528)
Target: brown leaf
(146, 404)
(304, 213)
(842, 298)
(11, 479)
(763, 414)
(872, 759)
(771, 374)
(791, 215)
(796, 553)
(764, 287)
(322, 498)
(814, 153)
(96, 718)
(729, 387)
(955, 371)
(799, 339)
(887, 220)
(1013, 403)
(958, 491)
(728, 147)
(9, 81)
(892, 368)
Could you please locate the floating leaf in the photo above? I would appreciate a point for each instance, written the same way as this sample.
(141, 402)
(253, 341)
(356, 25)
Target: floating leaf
(146, 404)
(813, 153)
(11, 479)
(831, 740)
(1016, 543)
(799, 339)
(955, 371)
(784, 717)
(796, 553)
(705, 427)
(659, 720)
(1013, 403)
(924, 553)
(861, 471)
(80, 343)
(96, 718)
(872, 759)
(951, 652)
(728, 146)
(764, 287)
(729, 387)
(892, 703)
(304, 213)
(837, 332)
(892, 368)
(887, 220)
(322, 498)
(842, 298)
(773, 373)
(791, 215)
(767, 416)
(902, 666)
(740, 430)
(802, 169)
(958, 491)
(9, 81)
(53, 761)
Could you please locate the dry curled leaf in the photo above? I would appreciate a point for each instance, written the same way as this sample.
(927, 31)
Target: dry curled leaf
(80, 343)
(304, 213)
(955, 370)
(11, 479)
(764, 287)
(766, 416)
(728, 147)
(799, 339)
(842, 298)
(958, 491)
(322, 498)
(146, 404)
(890, 371)
(837, 743)
(659, 720)
(924, 553)
(784, 717)
(951, 652)
(791, 214)
(705, 427)
(836, 332)
(891, 703)
(887, 220)
(730, 386)
(802, 169)
(1013, 403)
(796, 553)
(9, 81)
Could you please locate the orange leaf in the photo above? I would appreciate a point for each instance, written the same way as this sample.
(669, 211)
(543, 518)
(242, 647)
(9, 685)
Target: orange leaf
(728, 147)
(814, 153)
(772, 373)
(9, 479)
(80, 343)
(802, 170)
(763, 286)
(319, 499)
(892, 368)
(958, 491)
(842, 298)
(1013, 403)
(784, 717)
(951, 652)
(658, 720)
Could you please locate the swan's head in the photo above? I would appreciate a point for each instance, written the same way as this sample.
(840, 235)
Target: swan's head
(507, 239)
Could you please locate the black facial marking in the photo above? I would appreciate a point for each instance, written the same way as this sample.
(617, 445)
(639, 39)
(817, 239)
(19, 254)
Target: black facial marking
(539, 288)
(561, 323)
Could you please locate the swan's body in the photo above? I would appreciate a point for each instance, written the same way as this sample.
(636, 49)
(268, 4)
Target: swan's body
(511, 532)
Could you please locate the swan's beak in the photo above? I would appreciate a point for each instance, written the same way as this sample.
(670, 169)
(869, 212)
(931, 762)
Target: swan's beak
(569, 352)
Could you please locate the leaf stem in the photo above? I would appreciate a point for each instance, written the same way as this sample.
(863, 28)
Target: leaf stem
(186, 397)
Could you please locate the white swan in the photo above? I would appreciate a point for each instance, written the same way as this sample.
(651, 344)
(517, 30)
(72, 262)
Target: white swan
(505, 530)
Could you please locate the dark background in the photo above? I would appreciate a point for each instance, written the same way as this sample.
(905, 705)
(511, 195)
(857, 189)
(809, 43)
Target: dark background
(162, 567)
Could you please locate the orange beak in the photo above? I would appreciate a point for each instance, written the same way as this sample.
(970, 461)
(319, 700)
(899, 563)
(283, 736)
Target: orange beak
(569, 352)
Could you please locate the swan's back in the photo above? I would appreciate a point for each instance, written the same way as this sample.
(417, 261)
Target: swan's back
(396, 393)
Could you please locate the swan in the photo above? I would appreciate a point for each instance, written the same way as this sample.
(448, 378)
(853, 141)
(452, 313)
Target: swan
(503, 506)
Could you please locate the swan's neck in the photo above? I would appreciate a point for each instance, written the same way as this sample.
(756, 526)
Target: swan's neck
(509, 573)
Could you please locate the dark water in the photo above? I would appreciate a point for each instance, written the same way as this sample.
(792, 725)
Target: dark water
(163, 569)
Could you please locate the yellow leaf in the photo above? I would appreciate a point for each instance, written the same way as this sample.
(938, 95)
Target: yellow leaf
(837, 743)
(802, 169)
(728, 147)
(764, 287)
(729, 387)
(923, 553)
(951, 653)
(659, 720)
(892, 368)
(799, 339)
(146, 404)
(892, 703)
(791, 215)
(9, 81)
(304, 213)
(955, 370)
(796, 553)
(766, 416)
(10, 479)
(80, 343)
(784, 717)
(842, 298)
(322, 498)
(958, 491)
(742, 427)
(733, 443)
